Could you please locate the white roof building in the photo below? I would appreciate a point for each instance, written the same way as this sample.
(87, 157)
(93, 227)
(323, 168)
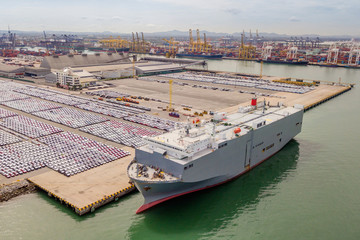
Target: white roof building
(77, 77)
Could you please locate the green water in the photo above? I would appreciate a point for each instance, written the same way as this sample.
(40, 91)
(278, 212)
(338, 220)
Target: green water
(309, 190)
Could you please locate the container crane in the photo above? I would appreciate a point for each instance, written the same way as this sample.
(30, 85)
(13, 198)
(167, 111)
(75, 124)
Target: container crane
(115, 43)
(133, 43)
(266, 50)
(333, 54)
(137, 43)
(291, 52)
(142, 43)
(173, 48)
(45, 41)
(246, 52)
(191, 41)
(198, 41)
(354, 50)
(207, 46)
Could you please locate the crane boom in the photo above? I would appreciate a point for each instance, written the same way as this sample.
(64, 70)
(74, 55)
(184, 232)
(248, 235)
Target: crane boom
(142, 43)
(133, 42)
(191, 41)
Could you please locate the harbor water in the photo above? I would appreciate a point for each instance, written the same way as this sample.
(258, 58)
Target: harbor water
(309, 190)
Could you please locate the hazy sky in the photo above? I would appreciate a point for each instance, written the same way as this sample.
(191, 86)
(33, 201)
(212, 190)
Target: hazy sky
(325, 17)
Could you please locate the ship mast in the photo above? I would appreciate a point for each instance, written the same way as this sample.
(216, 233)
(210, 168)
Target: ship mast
(263, 111)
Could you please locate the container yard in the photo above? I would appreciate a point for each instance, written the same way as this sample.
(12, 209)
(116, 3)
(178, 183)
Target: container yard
(76, 146)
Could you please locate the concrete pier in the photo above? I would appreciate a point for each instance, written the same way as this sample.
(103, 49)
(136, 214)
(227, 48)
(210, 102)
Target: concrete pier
(91, 189)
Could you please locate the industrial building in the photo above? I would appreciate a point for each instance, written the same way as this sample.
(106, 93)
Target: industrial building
(85, 69)
(83, 60)
(158, 68)
(36, 71)
(11, 70)
(72, 77)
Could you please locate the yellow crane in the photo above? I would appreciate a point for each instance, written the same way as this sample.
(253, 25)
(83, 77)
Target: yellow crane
(173, 48)
(207, 47)
(191, 42)
(133, 43)
(198, 45)
(137, 42)
(142, 43)
(114, 43)
(198, 41)
(246, 52)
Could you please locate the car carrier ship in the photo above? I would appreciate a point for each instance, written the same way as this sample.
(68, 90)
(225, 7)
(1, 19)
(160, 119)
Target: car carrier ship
(202, 154)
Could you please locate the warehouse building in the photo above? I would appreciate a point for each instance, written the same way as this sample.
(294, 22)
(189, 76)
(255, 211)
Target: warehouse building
(36, 71)
(157, 68)
(83, 60)
(11, 70)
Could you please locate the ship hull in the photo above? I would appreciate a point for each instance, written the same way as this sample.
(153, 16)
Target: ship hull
(215, 56)
(162, 193)
(285, 62)
(99, 49)
(159, 193)
(217, 167)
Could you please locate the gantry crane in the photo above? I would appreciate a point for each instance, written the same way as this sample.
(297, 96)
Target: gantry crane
(198, 45)
(266, 50)
(137, 43)
(133, 48)
(207, 47)
(246, 52)
(354, 51)
(291, 52)
(198, 41)
(191, 42)
(143, 50)
(333, 54)
(173, 48)
(115, 43)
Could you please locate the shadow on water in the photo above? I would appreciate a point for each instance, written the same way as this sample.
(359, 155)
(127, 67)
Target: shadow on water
(211, 209)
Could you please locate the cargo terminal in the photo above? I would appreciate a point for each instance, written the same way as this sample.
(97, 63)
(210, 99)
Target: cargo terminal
(76, 145)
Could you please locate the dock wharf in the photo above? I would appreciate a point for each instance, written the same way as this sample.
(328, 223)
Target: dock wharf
(327, 98)
(89, 190)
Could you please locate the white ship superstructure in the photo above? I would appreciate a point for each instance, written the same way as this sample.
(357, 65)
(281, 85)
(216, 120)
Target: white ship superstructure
(205, 154)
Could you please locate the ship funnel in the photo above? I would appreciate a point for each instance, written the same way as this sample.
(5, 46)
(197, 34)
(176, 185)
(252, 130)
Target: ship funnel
(254, 102)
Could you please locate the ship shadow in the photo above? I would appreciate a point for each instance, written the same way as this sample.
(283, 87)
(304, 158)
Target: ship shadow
(208, 210)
